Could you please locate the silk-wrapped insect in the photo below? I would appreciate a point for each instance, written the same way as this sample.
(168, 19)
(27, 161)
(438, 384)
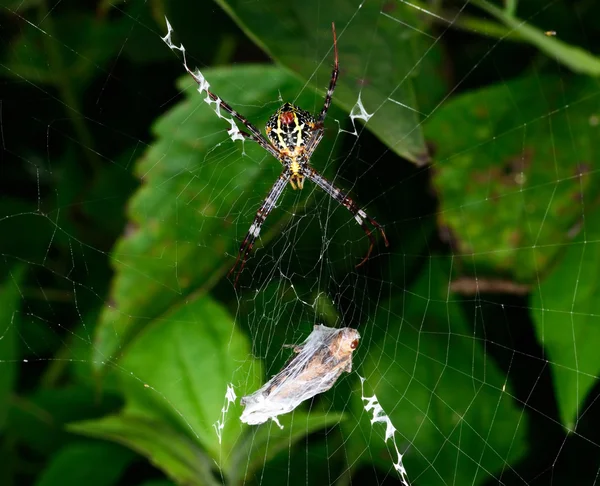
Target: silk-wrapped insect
(318, 363)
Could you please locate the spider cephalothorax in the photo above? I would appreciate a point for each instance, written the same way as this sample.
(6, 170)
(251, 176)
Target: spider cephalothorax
(293, 135)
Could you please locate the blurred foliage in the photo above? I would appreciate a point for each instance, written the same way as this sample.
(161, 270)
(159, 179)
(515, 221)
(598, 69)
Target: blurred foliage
(123, 203)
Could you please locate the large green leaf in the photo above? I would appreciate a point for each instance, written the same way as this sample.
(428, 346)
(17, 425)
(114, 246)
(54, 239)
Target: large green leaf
(566, 311)
(179, 369)
(513, 162)
(186, 463)
(197, 185)
(449, 402)
(378, 57)
(92, 464)
(178, 456)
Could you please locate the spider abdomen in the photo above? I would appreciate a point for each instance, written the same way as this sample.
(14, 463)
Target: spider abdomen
(290, 129)
(297, 179)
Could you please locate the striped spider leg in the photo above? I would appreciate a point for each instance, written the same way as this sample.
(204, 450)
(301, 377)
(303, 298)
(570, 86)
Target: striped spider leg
(293, 135)
(235, 133)
(359, 214)
(261, 215)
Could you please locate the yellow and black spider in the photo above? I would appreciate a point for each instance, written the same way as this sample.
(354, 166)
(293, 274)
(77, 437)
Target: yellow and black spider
(293, 135)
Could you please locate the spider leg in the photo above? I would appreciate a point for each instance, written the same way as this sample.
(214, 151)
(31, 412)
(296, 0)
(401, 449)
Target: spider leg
(261, 215)
(313, 143)
(319, 126)
(359, 214)
(332, 83)
(254, 132)
(203, 85)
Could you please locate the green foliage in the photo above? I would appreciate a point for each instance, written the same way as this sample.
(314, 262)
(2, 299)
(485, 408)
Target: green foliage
(514, 170)
(173, 452)
(124, 202)
(9, 304)
(565, 313)
(439, 389)
(575, 58)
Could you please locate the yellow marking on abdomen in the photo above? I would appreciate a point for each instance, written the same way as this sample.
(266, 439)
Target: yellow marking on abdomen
(295, 167)
(297, 179)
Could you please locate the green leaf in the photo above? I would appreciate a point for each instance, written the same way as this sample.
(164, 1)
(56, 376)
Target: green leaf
(10, 300)
(178, 456)
(197, 186)
(179, 369)
(449, 402)
(575, 58)
(513, 162)
(89, 464)
(379, 71)
(267, 440)
(566, 312)
(510, 7)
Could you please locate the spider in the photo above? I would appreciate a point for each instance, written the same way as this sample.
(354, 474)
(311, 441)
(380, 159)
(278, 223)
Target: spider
(293, 136)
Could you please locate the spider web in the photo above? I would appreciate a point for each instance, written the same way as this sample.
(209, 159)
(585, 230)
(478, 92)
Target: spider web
(468, 129)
